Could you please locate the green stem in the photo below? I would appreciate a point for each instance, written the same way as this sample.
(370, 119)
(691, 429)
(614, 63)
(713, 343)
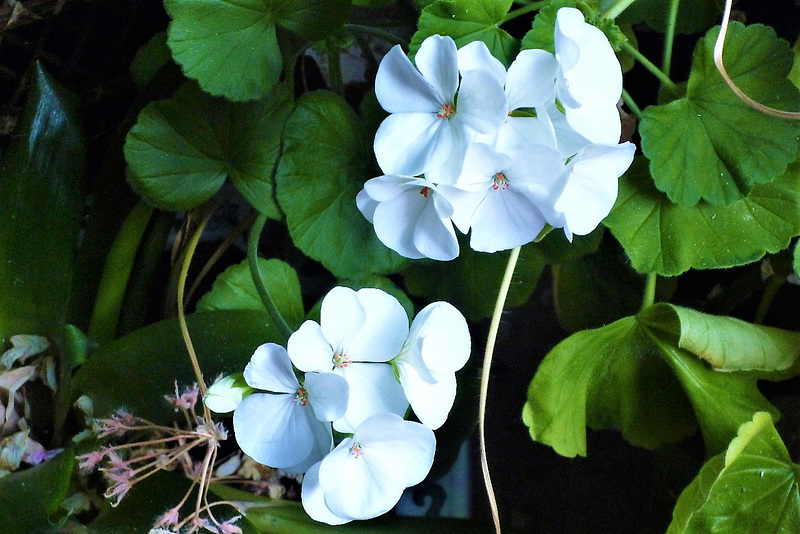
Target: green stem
(618, 7)
(774, 283)
(255, 272)
(335, 68)
(377, 32)
(669, 38)
(649, 291)
(116, 273)
(663, 78)
(511, 15)
(484, 391)
(628, 99)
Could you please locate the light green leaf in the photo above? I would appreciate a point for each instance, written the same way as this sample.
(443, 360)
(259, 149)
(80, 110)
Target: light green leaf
(41, 204)
(137, 370)
(727, 343)
(542, 32)
(180, 150)
(668, 239)
(693, 17)
(466, 21)
(796, 262)
(326, 160)
(630, 375)
(753, 487)
(234, 290)
(709, 145)
(230, 46)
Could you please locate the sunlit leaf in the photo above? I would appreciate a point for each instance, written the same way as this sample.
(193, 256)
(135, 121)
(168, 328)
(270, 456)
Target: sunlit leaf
(181, 150)
(326, 160)
(710, 145)
(542, 32)
(668, 239)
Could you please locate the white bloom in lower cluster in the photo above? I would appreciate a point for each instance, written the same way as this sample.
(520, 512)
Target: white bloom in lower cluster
(288, 425)
(364, 476)
(358, 333)
(438, 345)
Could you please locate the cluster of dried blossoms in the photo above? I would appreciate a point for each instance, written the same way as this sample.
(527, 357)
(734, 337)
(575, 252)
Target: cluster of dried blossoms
(157, 447)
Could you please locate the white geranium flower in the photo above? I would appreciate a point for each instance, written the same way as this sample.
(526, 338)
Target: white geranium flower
(288, 427)
(589, 80)
(410, 216)
(359, 331)
(428, 130)
(438, 345)
(504, 198)
(226, 394)
(591, 186)
(364, 476)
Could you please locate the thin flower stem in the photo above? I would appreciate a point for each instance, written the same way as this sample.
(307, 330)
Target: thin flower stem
(669, 37)
(649, 291)
(774, 283)
(484, 390)
(663, 78)
(377, 32)
(618, 7)
(252, 258)
(191, 246)
(511, 15)
(628, 99)
(144, 443)
(335, 68)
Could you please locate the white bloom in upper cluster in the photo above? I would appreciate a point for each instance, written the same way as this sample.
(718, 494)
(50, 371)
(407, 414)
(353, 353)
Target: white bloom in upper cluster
(552, 128)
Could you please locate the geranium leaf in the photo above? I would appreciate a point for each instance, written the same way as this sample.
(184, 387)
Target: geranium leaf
(668, 239)
(726, 343)
(693, 17)
(234, 290)
(113, 375)
(326, 160)
(41, 205)
(181, 149)
(797, 259)
(753, 487)
(709, 145)
(466, 21)
(632, 376)
(230, 47)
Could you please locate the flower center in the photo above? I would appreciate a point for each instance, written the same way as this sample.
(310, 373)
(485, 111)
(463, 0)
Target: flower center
(356, 450)
(499, 181)
(425, 191)
(445, 111)
(302, 397)
(341, 360)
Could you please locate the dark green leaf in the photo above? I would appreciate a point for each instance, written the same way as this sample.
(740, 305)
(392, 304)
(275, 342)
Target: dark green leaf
(28, 498)
(383, 283)
(668, 239)
(180, 150)
(693, 17)
(709, 145)
(466, 21)
(41, 203)
(325, 162)
(150, 58)
(753, 487)
(137, 370)
(234, 290)
(230, 46)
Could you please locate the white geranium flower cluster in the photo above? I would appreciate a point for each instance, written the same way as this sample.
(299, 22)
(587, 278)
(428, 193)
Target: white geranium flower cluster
(356, 372)
(497, 153)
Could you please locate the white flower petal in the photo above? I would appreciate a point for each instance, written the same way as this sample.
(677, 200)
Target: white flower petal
(531, 79)
(327, 395)
(519, 131)
(437, 61)
(323, 444)
(314, 499)
(387, 187)
(271, 370)
(431, 402)
(599, 124)
(386, 328)
(445, 337)
(569, 29)
(366, 205)
(476, 55)
(481, 102)
(504, 220)
(373, 390)
(434, 236)
(395, 220)
(568, 141)
(309, 349)
(274, 429)
(400, 88)
(445, 167)
(341, 318)
(408, 143)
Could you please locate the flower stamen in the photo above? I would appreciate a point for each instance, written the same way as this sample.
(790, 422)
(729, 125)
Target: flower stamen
(356, 450)
(341, 360)
(445, 111)
(302, 397)
(499, 181)
(425, 191)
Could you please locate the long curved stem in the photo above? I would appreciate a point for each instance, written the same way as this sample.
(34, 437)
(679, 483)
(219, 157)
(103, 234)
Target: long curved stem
(484, 391)
(252, 260)
(618, 7)
(669, 37)
(522, 11)
(646, 63)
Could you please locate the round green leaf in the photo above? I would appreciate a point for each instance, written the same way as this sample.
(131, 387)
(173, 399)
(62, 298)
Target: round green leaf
(230, 46)
(234, 290)
(180, 150)
(709, 145)
(693, 16)
(466, 21)
(668, 239)
(326, 160)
